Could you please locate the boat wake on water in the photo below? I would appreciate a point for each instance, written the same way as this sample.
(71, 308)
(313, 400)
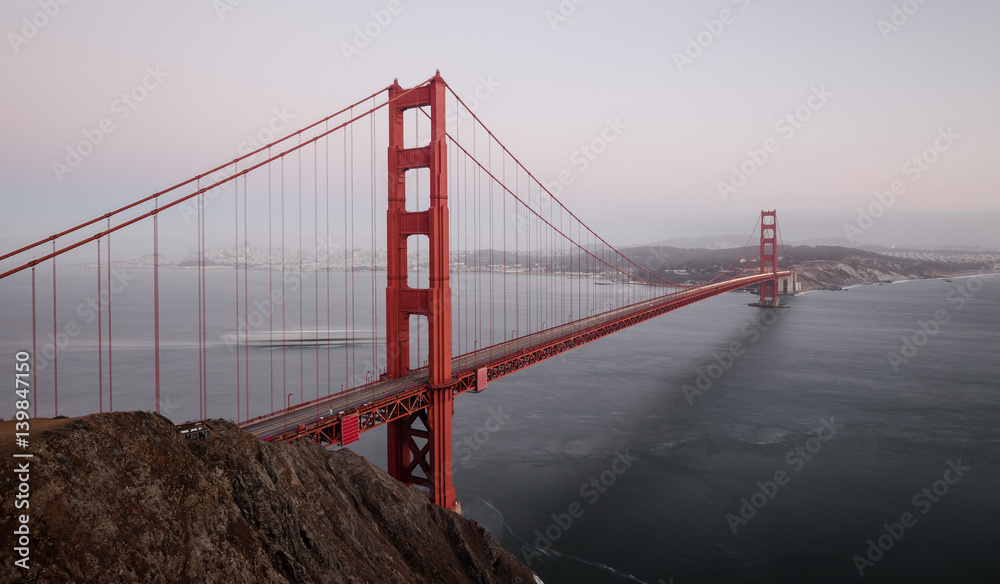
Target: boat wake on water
(551, 552)
(304, 338)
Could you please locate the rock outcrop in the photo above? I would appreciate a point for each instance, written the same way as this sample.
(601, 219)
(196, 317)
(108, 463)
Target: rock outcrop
(833, 274)
(124, 498)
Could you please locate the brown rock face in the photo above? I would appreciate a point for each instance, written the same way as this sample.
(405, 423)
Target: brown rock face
(825, 274)
(124, 498)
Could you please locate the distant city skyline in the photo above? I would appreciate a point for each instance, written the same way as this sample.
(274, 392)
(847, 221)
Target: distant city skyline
(869, 120)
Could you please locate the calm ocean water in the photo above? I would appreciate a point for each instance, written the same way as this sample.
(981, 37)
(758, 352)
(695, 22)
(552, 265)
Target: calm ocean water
(718, 443)
(670, 514)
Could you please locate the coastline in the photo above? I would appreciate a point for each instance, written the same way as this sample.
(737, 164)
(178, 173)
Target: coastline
(843, 274)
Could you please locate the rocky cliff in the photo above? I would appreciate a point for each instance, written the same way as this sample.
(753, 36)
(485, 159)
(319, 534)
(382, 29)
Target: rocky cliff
(124, 498)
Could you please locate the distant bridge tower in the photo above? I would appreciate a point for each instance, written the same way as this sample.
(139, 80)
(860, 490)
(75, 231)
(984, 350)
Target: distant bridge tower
(410, 446)
(769, 257)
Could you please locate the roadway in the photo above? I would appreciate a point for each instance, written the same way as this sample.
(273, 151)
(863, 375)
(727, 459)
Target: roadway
(365, 396)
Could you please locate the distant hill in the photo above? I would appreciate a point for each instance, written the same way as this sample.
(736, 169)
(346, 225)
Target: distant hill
(819, 266)
(704, 242)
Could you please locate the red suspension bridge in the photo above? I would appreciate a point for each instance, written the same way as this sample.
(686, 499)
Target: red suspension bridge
(286, 287)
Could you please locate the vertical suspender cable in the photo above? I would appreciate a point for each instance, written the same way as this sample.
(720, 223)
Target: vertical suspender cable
(204, 309)
(34, 338)
(354, 366)
(270, 283)
(111, 370)
(156, 304)
(201, 321)
(475, 243)
(55, 337)
(456, 198)
(491, 260)
(316, 255)
(347, 250)
(100, 334)
(464, 233)
(302, 352)
(246, 300)
(236, 253)
(371, 179)
(329, 243)
(284, 299)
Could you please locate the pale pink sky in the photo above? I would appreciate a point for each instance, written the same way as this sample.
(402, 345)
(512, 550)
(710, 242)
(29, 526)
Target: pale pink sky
(888, 92)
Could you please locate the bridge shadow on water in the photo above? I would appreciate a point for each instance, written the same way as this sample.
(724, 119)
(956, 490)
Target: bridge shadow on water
(780, 470)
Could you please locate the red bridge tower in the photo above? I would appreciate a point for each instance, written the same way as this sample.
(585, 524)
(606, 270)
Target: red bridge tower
(769, 257)
(410, 446)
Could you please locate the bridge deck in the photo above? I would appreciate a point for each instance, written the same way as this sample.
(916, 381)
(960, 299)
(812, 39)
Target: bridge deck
(385, 400)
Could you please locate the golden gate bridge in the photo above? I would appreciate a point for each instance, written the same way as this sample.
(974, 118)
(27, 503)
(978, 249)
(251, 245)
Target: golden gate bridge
(448, 201)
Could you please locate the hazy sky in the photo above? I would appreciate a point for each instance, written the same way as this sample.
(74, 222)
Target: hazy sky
(839, 96)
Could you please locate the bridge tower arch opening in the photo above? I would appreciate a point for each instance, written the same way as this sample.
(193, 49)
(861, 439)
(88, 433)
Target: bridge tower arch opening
(419, 444)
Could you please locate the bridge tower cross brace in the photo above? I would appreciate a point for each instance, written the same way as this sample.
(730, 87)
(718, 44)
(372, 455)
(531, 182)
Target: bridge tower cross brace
(769, 257)
(421, 440)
